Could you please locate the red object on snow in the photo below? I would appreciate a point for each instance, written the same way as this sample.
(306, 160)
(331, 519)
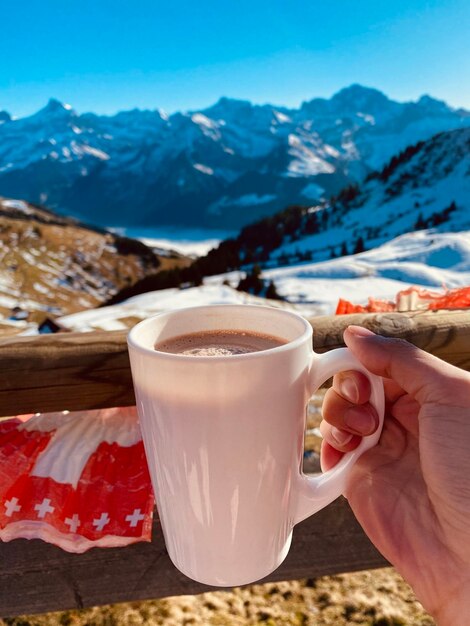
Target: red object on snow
(412, 299)
(453, 299)
(373, 305)
(76, 480)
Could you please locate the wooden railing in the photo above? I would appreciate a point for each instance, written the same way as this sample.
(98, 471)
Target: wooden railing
(91, 370)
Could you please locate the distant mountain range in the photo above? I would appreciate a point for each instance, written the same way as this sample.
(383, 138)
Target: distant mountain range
(225, 166)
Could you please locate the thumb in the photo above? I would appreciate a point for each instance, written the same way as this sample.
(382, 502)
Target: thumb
(420, 374)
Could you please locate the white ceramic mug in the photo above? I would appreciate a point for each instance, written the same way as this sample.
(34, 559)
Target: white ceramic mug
(224, 439)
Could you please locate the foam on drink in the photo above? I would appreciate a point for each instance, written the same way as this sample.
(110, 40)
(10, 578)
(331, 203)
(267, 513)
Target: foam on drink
(219, 343)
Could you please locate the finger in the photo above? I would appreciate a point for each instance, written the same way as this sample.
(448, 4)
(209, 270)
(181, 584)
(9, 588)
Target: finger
(359, 419)
(353, 386)
(420, 374)
(339, 439)
(329, 456)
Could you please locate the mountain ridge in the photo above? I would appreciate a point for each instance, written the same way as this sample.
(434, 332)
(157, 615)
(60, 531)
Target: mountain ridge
(222, 167)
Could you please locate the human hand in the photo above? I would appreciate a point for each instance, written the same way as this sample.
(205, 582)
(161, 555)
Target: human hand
(411, 492)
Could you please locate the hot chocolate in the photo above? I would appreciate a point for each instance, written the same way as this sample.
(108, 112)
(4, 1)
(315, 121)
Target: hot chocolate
(219, 343)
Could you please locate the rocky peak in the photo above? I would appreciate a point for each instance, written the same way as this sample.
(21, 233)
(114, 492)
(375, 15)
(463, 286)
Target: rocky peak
(433, 105)
(357, 98)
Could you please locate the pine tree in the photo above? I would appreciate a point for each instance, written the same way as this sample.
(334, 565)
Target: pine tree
(252, 282)
(311, 224)
(271, 292)
(420, 224)
(359, 247)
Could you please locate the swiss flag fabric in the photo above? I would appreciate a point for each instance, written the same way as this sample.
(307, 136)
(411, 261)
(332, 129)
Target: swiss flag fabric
(76, 480)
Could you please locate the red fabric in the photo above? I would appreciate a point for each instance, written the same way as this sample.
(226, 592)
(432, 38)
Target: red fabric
(453, 299)
(111, 504)
(373, 305)
(411, 299)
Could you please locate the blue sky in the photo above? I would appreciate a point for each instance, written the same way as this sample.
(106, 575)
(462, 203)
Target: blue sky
(109, 55)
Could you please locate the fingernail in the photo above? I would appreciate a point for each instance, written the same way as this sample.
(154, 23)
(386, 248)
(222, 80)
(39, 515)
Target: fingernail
(341, 437)
(348, 389)
(359, 331)
(359, 420)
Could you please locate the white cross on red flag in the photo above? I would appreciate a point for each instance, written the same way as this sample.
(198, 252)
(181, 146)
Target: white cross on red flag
(77, 480)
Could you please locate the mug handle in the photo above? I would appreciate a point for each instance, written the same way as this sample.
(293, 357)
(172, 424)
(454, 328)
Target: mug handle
(317, 491)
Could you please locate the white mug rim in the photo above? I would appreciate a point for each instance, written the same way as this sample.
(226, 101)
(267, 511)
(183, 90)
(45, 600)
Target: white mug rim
(290, 345)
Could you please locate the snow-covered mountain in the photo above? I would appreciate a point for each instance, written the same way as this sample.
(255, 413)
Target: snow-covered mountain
(224, 166)
(412, 217)
(425, 187)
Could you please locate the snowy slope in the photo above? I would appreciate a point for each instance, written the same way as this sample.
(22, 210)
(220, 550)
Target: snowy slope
(225, 166)
(423, 259)
(430, 186)
(128, 313)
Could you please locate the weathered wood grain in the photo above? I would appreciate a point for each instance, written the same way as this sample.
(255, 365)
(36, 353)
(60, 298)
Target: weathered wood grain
(64, 371)
(36, 577)
(445, 334)
(91, 370)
